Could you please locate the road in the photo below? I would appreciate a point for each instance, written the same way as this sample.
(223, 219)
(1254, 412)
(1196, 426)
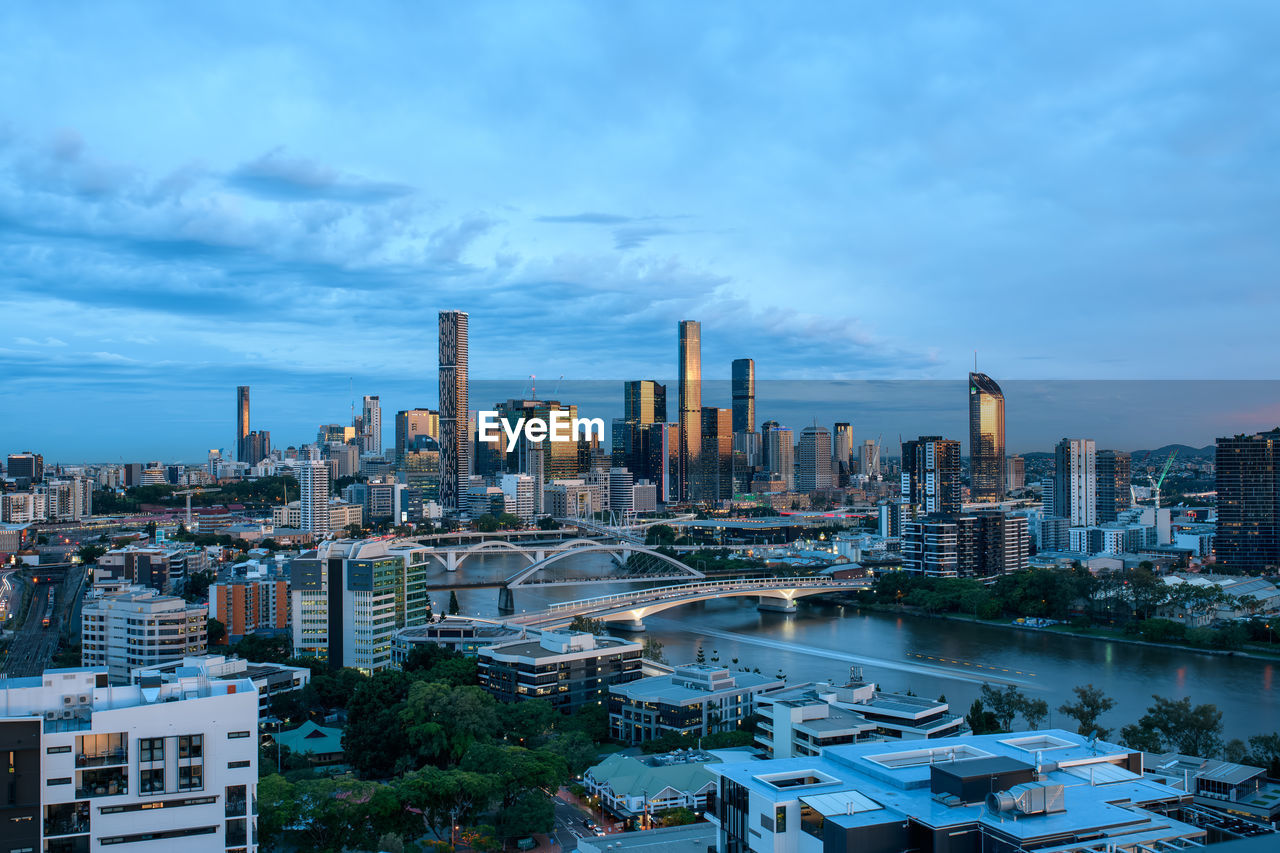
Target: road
(569, 826)
(34, 645)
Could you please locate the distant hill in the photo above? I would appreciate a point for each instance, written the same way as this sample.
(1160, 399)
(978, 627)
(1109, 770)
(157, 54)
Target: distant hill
(1185, 451)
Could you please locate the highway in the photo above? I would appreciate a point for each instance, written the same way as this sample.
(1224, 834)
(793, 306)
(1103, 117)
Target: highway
(33, 646)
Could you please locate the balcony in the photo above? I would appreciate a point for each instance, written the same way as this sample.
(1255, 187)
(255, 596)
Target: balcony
(106, 758)
(102, 783)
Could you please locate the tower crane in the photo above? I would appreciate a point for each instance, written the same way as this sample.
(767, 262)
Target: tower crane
(189, 493)
(1156, 482)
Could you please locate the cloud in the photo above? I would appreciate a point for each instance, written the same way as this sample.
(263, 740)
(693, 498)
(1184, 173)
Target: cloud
(634, 238)
(589, 219)
(279, 177)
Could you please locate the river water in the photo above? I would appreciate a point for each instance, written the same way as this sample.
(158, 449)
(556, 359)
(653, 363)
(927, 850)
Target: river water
(931, 657)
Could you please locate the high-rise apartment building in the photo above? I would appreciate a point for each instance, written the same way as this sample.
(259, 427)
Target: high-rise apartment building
(980, 544)
(842, 453)
(371, 424)
(253, 602)
(813, 468)
(781, 453)
(1115, 477)
(931, 474)
(518, 493)
(1075, 481)
(242, 423)
(410, 424)
(644, 401)
(26, 466)
(1015, 478)
(743, 388)
(313, 500)
(98, 767)
(716, 454)
(765, 429)
(455, 412)
(869, 459)
(690, 402)
(140, 627)
(986, 439)
(1247, 536)
(351, 596)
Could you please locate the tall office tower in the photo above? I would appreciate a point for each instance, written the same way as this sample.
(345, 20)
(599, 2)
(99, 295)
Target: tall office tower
(931, 474)
(765, 429)
(813, 468)
(242, 422)
(869, 459)
(1075, 481)
(782, 455)
(1114, 479)
(411, 423)
(257, 446)
(986, 439)
(91, 766)
(419, 470)
(1015, 476)
(313, 483)
(455, 414)
(690, 402)
(744, 395)
(371, 422)
(644, 401)
(842, 450)
(717, 454)
(559, 458)
(1248, 482)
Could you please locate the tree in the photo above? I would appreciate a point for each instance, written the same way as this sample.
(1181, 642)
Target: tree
(587, 625)
(454, 607)
(523, 722)
(701, 656)
(980, 720)
(1035, 712)
(373, 738)
(1264, 751)
(675, 817)
(660, 534)
(548, 523)
(278, 808)
(578, 751)
(653, 650)
(1004, 704)
(528, 813)
(1176, 725)
(1091, 703)
(89, 554)
(487, 523)
(217, 632)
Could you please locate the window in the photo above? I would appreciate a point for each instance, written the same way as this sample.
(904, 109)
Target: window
(191, 746)
(60, 780)
(237, 801)
(158, 836)
(151, 749)
(191, 778)
(234, 764)
(780, 819)
(234, 735)
(152, 780)
(66, 818)
(54, 750)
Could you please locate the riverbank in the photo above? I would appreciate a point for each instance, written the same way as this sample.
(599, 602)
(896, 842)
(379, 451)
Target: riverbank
(1108, 635)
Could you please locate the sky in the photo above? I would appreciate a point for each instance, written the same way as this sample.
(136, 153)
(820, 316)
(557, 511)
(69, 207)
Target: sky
(198, 197)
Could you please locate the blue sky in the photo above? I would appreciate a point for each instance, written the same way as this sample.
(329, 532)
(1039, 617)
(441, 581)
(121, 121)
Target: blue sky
(193, 198)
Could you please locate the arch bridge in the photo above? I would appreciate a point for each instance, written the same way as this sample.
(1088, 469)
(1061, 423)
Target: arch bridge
(635, 564)
(627, 610)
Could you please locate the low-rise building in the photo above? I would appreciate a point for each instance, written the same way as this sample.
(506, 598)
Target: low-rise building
(1045, 790)
(632, 786)
(1235, 790)
(696, 699)
(140, 627)
(269, 679)
(317, 744)
(95, 767)
(461, 635)
(568, 670)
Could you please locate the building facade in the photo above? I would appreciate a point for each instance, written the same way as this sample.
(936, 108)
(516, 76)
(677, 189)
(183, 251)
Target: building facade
(931, 474)
(689, 365)
(1115, 479)
(813, 467)
(1247, 536)
(568, 670)
(986, 440)
(455, 412)
(1075, 481)
(743, 389)
(695, 700)
(140, 627)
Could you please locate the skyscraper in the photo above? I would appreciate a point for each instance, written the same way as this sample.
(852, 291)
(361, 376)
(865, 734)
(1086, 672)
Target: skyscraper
(644, 401)
(455, 414)
(931, 474)
(1075, 482)
(782, 455)
(813, 468)
(744, 395)
(716, 454)
(1015, 474)
(242, 424)
(765, 429)
(1114, 479)
(411, 423)
(986, 439)
(640, 430)
(869, 459)
(842, 449)
(313, 499)
(1248, 483)
(690, 393)
(371, 421)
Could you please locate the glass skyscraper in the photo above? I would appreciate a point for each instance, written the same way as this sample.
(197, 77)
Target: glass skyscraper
(690, 377)
(986, 440)
(455, 415)
(744, 395)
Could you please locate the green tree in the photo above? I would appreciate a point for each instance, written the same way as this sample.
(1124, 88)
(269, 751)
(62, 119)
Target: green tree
(217, 632)
(525, 722)
(675, 817)
(548, 523)
(980, 720)
(487, 523)
(515, 769)
(587, 625)
(1264, 751)
(277, 808)
(1176, 725)
(508, 521)
(531, 811)
(454, 607)
(89, 554)
(653, 650)
(701, 657)
(1091, 703)
(578, 751)
(1004, 704)
(374, 737)
(1035, 712)
(442, 722)
(660, 534)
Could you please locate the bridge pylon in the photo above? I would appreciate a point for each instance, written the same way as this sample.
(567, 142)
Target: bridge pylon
(506, 600)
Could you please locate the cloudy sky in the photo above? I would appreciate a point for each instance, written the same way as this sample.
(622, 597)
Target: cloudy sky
(195, 197)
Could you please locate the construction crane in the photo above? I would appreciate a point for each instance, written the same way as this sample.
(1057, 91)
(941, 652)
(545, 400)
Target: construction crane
(1156, 482)
(189, 493)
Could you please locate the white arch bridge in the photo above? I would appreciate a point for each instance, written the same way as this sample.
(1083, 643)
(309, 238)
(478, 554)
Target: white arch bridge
(454, 556)
(627, 610)
(635, 564)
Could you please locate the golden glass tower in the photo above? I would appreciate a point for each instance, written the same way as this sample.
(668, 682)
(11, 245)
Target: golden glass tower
(986, 440)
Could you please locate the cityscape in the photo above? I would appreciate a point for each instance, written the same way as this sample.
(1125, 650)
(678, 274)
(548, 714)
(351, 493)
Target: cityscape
(735, 430)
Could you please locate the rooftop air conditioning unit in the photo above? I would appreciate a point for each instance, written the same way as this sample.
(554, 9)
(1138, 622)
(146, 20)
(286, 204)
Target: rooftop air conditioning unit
(51, 715)
(84, 698)
(68, 714)
(66, 700)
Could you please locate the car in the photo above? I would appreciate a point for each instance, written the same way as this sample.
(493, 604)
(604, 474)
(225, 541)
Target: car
(587, 824)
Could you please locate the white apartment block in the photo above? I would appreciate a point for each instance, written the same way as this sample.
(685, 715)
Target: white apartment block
(94, 767)
(140, 627)
(518, 491)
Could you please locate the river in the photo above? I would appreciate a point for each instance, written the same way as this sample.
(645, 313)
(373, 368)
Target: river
(931, 657)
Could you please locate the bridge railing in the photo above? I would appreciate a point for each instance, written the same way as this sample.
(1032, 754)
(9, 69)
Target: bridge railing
(693, 588)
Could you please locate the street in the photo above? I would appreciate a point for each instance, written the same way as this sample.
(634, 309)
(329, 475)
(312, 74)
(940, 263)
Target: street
(569, 818)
